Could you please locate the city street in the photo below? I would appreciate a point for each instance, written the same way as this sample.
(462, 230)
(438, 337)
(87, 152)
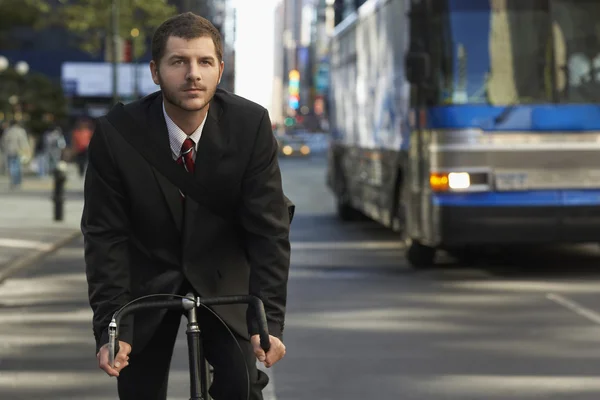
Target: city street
(361, 323)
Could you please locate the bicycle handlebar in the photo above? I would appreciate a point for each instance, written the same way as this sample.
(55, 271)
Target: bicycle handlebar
(186, 303)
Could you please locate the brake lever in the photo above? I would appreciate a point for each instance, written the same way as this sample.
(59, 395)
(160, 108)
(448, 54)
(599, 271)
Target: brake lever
(113, 345)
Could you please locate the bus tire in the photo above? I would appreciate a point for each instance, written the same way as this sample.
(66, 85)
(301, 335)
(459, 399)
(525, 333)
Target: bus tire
(419, 255)
(345, 211)
(466, 255)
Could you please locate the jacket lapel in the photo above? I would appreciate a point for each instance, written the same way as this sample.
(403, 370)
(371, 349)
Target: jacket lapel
(212, 146)
(158, 129)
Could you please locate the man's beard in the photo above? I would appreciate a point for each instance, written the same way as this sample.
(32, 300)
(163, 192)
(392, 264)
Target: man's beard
(171, 97)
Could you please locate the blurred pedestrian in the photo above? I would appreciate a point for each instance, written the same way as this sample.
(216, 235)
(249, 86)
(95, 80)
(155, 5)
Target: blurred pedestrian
(3, 127)
(17, 150)
(80, 140)
(54, 144)
(49, 147)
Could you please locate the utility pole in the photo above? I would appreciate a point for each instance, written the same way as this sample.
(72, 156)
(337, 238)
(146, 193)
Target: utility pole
(115, 52)
(135, 32)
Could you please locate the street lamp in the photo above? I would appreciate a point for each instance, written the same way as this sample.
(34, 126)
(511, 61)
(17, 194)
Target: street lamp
(22, 68)
(3, 63)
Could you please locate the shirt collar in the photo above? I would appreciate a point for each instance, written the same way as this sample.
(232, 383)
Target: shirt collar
(177, 136)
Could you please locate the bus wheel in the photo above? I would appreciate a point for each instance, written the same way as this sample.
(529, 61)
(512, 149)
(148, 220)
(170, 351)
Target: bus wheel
(419, 255)
(466, 255)
(346, 212)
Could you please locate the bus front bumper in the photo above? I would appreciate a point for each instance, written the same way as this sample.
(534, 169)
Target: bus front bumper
(517, 225)
(559, 219)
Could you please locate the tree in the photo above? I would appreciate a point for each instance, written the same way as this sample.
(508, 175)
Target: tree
(43, 97)
(91, 20)
(15, 13)
(37, 95)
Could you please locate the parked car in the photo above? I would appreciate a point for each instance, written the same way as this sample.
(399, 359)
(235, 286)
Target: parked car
(292, 146)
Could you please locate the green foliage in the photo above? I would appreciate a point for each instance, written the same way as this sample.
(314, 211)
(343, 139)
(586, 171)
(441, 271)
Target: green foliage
(91, 20)
(38, 95)
(44, 96)
(15, 13)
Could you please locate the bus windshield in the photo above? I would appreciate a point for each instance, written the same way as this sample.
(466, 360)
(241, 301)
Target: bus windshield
(503, 52)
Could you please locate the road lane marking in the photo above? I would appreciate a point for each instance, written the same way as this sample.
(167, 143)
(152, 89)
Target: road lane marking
(481, 386)
(25, 244)
(575, 307)
(361, 245)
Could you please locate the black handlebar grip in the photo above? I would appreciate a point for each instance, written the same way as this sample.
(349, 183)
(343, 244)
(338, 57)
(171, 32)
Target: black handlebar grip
(263, 328)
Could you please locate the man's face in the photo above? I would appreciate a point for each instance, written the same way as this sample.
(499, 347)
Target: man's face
(188, 72)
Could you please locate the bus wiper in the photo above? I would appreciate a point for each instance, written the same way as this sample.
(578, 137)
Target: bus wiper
(508, 110)
(505, 114)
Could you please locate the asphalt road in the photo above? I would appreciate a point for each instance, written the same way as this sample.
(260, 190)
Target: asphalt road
(361, 324)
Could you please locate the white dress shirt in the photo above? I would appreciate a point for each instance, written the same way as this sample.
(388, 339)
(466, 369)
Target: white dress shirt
(177, 136)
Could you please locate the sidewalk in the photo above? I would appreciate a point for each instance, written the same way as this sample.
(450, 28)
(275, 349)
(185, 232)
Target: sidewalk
(27, 229)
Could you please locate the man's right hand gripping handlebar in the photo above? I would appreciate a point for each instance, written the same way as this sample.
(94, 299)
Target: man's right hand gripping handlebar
(120, 361)
(114, 356)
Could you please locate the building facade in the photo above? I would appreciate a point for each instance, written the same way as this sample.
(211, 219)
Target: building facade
(343, 8)
(302, 32)
(279, 91)
(226, 20)
(293, 57)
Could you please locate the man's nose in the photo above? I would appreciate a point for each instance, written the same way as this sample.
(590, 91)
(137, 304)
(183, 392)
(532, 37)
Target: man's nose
(194, 74)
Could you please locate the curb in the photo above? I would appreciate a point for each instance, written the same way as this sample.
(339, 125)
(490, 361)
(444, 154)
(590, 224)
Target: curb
(22, 262)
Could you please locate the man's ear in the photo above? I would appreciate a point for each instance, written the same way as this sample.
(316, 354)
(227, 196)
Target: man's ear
(221, 68)
(155, 73)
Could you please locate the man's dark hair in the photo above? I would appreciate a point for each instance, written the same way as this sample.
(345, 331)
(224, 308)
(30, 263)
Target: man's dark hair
(186, 26)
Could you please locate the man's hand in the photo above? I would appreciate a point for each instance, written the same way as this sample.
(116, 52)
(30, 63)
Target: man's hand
(275, 353)
(121, 360)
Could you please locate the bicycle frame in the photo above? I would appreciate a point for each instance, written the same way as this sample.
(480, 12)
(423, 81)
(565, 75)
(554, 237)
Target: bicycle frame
(199, 373)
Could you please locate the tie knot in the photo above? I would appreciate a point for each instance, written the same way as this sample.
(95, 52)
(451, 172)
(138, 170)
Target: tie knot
(187, 146)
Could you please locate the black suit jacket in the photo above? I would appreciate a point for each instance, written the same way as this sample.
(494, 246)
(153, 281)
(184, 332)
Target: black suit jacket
(137, 241)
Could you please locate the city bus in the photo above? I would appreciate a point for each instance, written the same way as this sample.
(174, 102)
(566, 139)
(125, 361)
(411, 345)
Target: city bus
(468, 123)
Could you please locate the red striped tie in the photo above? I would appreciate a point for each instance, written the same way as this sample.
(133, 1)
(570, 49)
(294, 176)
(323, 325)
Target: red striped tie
(186, 159)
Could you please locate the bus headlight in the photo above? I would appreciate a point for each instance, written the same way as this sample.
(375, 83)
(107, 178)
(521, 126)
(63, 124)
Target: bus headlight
(442, 182)
(459, 180)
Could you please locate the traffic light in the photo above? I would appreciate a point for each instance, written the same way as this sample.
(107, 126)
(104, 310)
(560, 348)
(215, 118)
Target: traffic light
(294, 89)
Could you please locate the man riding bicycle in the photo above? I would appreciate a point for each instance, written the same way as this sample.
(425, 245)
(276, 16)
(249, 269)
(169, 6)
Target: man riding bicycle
(143, 235)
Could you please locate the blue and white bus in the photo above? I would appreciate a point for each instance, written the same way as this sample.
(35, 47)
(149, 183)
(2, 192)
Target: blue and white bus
(463, 123)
